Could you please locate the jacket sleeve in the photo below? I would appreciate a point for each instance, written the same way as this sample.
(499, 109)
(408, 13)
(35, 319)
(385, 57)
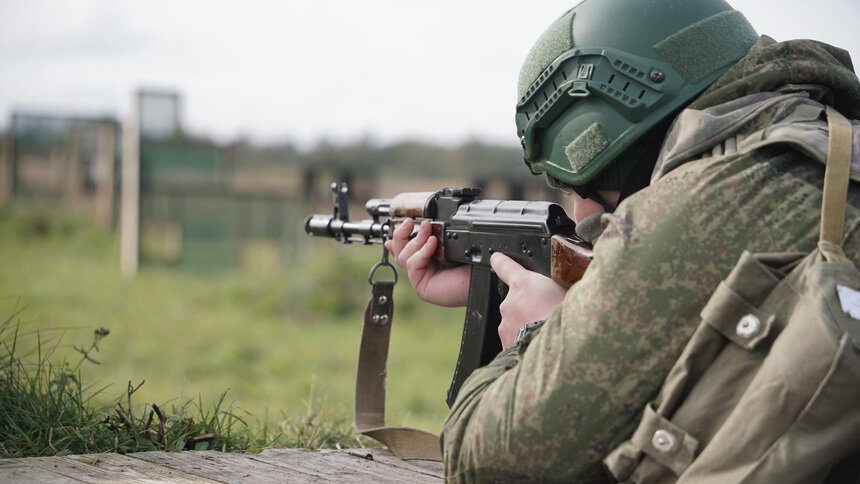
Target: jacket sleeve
(552, 407)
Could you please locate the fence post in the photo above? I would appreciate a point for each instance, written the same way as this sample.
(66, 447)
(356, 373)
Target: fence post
(103, 208)
(6, 170)
(130, 191)
(71, 167)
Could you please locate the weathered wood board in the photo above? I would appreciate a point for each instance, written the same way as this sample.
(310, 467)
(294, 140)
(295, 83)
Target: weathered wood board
(273, 465)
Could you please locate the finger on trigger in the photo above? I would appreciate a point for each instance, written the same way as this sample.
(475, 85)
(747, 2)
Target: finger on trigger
(503, 265)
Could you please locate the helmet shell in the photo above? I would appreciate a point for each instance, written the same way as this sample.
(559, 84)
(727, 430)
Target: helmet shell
(607, 71)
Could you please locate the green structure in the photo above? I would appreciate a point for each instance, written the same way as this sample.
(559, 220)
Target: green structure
(192, 213)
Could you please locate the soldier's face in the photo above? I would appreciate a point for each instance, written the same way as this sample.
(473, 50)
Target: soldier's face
(583, 207)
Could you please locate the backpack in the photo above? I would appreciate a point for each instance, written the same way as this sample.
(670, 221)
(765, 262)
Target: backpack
(768, 387)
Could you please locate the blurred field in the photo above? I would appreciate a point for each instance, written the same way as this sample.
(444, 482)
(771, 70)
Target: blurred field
(275, 338)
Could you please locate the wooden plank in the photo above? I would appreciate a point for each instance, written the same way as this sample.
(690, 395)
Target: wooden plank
(430, 467)
(273, 465)
(223, 467)
(129, 469)
(376, 465)
(101, 468)
(23, 471)
(306, 464)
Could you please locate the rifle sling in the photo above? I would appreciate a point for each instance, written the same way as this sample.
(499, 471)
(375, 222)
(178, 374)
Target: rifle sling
(405, 442)
(836, 178)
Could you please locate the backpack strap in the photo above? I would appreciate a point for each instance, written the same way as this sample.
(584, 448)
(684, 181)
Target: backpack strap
(836, 178)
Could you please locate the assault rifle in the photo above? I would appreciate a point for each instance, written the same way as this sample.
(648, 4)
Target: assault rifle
(538, 235)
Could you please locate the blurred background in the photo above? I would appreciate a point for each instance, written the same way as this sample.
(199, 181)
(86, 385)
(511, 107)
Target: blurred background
(158, 159)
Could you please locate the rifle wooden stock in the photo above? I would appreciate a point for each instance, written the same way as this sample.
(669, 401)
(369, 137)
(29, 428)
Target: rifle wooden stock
(570, 259)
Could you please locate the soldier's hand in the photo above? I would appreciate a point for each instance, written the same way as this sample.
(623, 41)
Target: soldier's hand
(531, 296)
(444, 286)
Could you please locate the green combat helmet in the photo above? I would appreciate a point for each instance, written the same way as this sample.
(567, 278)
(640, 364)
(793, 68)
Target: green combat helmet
(607, 71)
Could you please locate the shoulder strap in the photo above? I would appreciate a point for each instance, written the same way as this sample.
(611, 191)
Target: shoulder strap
(836, 178)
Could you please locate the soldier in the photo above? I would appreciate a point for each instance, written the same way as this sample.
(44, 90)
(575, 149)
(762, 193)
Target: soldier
(684, 139)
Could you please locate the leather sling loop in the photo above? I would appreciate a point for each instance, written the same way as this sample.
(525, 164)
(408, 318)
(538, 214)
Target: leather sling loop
(836, 178)
(369, 418)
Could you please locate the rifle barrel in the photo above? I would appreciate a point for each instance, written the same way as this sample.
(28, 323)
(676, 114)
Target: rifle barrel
(346, 231)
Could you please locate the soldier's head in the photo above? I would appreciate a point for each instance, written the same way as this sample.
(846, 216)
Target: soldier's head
(599, 87)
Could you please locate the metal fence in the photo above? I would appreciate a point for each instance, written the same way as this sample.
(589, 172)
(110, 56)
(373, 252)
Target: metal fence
(207, 229)
(192, 216)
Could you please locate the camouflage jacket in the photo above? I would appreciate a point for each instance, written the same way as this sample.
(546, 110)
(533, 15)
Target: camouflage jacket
(550, 407)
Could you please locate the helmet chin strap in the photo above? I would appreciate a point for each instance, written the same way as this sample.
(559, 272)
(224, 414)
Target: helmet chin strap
(588, 191)
(645, 153)
(638, 178)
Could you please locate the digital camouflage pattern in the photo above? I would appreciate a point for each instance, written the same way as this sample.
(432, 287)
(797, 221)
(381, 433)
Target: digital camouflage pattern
(787, 80)
(552, 406)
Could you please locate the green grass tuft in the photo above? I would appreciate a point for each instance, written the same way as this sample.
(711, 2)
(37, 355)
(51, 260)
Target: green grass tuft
(45, 409)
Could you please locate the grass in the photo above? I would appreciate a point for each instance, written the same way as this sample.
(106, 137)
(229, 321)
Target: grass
(267, 356)
(45, 409)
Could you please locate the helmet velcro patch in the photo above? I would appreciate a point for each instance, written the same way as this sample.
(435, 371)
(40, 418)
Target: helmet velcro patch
(586, 147)
(693, 52)
(556, 40)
